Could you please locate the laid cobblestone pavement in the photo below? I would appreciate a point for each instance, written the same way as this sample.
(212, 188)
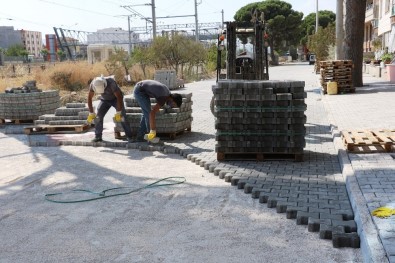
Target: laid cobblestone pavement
(371, 177)
(324, 190)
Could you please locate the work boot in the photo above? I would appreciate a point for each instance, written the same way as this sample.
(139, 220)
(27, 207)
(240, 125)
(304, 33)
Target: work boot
(97, 139)
(135, 140)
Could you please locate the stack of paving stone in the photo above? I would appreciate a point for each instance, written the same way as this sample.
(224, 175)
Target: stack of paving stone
(169, 121)
(71, 114)
(27, 103)
(339, 71)
(169, 78)
(28, 87)
(259, 118)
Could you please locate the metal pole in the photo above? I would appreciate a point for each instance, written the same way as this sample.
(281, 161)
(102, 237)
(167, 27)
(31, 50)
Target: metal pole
(339, 30)
(196, 22)
(222, 18)
(130, 39)
(316, 16)
(153, 19)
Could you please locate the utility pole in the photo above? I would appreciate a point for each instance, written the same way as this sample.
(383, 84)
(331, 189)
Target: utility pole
(316, 16)
(339, 30)
(196, 22)
(153, 19)
(130, 38)
(222, 11)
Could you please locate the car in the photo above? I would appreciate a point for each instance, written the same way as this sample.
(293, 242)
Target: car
(312, 59)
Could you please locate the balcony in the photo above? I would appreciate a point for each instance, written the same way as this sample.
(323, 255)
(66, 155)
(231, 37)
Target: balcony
(375, 23)
(369, 14)
(393, 15)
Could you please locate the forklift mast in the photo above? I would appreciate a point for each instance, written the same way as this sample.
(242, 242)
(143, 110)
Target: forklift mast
(253, 66)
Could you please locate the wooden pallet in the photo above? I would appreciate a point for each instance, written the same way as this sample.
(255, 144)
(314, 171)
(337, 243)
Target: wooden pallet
(367, 141)
(331, 63)
(297, 157)
(16, 121)
(40, 129)
(171, 135)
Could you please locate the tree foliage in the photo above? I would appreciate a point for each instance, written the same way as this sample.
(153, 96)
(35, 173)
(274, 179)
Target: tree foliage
(16, 50)
(325, 18)
(320, 42)
(117, 65)
(143, 57)
(283, 23)
(177, 51)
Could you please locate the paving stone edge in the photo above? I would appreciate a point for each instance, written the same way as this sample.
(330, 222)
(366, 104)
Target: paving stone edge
(371, 246)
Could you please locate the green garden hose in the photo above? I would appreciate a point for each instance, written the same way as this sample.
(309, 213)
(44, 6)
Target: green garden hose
(168, 181)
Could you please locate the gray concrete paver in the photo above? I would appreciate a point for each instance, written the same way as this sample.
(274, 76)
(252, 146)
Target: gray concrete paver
(369, 108)
(305, 191)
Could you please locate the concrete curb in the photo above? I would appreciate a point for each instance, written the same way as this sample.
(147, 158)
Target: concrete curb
(371, 246)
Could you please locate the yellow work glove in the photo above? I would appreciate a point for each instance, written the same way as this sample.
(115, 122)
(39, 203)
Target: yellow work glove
(91, 117)
(151, 135)
(118, 117)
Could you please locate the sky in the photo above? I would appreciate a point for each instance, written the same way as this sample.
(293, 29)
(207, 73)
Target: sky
(91, 15)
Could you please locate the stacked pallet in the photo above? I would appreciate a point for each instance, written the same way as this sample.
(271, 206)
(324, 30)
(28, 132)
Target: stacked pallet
(169, 78)
(339, 71)
(260, 119)
(169, 121)
(20, 105)
(72, 117)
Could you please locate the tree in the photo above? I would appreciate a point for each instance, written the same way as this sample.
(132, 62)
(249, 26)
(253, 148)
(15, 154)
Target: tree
(354, 34)
(61, 54)
(141, 56)
(283, 23)
(320, 42)
(325, 18)
(117, 64)
(176, 51)
(44, 52)
(16, 50)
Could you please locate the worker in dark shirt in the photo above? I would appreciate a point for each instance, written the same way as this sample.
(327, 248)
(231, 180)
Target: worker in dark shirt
(110, 96)
(143, 91)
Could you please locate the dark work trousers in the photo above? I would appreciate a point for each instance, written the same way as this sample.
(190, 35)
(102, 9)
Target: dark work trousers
(102, 110)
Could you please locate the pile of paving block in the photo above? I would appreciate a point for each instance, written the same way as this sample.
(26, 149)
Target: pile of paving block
(339, 71)
(71, 117)
(169, 78)
(259, 119)
(169, 121)
(27, 103)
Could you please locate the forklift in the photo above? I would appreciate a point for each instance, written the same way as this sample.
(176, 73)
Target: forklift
(246, 52)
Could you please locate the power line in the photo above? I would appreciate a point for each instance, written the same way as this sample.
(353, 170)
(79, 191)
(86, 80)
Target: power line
(76, 8)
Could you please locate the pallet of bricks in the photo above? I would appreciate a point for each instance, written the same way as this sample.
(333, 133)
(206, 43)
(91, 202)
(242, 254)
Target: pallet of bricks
(339, 71)
(169, 78)
(25, 104)
(170, 122)
(69, 118)
(258, 120)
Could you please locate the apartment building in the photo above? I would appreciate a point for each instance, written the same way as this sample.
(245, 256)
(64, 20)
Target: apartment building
(32, 40)
(9, 37)
(380, 26)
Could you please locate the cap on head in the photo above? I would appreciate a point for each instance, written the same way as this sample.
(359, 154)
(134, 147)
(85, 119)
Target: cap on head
(98, 84)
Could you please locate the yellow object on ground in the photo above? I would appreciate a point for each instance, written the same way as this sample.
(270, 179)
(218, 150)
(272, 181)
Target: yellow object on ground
(331, 88)
(383, 212)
